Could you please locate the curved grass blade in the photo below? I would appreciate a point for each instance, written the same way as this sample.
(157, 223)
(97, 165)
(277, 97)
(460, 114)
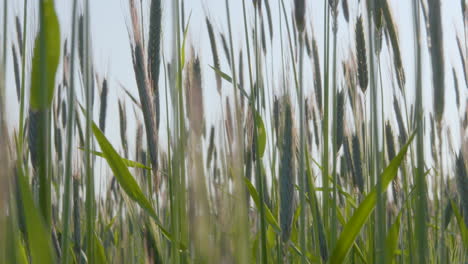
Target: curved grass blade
(360, 216)
(100, 256)
(392, 239)
(461, 224)
(268, 215)
(128, 163)
(38, 240)
(228, 78)
(125, 179)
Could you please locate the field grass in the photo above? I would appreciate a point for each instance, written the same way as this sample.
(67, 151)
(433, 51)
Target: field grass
(312, 171)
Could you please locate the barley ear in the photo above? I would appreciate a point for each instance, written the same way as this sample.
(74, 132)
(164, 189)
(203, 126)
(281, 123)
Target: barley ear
(287, 174)
(214, 52)
(359, 180)
(437, 57)
(299, 14)
(103, 105)
(361, 54)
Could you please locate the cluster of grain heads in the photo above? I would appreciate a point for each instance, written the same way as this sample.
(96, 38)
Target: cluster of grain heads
(146, 95)
(287, 172)
(361, 55)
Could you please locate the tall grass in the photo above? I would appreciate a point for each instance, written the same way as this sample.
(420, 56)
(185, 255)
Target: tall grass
(285, 173)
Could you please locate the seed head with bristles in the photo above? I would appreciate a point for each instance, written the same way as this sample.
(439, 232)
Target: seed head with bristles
(287, 174)
(19, 34)
(339, 119)
(401, 125)
(194, 97)
(391, 29)
(455, 85)
(344, 6)
(103, 105)
(359, 180)
(211, 147)
(123, 126)
(437, 57)
(299, 14)
(214, 52)
(462, 184)
(17, 72)
(154, 53)
(225, 48)
(317, 75)
(143, 85)
(241, 77)
(361, 55)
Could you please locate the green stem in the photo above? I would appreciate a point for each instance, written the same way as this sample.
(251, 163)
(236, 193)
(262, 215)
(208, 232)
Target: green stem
(302, 150)
(325, 183)
(68, 162)
(421, 207)
(88, 82)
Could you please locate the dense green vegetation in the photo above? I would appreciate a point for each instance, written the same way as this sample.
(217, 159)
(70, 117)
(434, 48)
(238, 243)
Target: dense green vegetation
(312, 174)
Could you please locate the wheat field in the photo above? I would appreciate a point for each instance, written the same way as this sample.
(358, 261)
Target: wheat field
(264, 131)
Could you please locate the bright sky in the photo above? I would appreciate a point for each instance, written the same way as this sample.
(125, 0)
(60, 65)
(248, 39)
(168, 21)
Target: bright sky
(112, 51)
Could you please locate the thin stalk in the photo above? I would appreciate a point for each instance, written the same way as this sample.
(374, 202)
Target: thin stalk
(239, 187)
(175, 201)
(302, 150)
(296, 81)
(257, 161)
(88, 82)
(68, 162)
(334, 227)
(23, 74)
(325, 164)
(5, 37)
(180, 176)
(421, 207)
(246, 32)
(278, 237)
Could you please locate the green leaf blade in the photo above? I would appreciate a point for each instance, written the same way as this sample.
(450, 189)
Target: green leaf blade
(360, 216)
(49, 35)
